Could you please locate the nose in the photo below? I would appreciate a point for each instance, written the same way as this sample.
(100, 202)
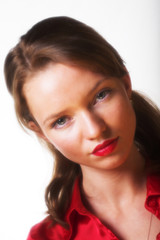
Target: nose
(92, 125)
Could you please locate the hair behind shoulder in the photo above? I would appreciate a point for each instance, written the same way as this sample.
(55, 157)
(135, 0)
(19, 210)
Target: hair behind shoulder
(147, 136)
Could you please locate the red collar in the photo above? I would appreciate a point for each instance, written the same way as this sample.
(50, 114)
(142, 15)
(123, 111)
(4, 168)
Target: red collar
(152, 202)
(76, 201)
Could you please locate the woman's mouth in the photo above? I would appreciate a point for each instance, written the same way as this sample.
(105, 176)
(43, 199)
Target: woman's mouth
(106, 148)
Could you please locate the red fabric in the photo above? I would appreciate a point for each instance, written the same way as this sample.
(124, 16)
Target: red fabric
(84, 225)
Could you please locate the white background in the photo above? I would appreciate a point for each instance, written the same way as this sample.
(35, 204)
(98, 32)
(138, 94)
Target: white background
(131, 26)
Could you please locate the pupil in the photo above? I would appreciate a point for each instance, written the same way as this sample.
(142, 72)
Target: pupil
(101, 95)
(61, 121)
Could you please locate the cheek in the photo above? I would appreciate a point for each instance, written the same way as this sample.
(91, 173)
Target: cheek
(127, 121)
(121, 116)
(67, 143)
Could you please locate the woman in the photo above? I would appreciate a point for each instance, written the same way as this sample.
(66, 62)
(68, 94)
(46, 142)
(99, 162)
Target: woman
(71, 87)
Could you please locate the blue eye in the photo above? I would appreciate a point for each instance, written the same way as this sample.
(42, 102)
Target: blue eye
(102, 95)
(61, 122)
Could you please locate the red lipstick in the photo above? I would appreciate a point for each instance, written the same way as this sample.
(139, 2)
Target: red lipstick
(106, 147)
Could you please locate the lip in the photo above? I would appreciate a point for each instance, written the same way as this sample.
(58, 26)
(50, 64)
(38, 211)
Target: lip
(106, 148)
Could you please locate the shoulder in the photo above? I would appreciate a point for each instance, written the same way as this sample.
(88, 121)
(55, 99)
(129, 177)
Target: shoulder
(152, 202)
(46, 230)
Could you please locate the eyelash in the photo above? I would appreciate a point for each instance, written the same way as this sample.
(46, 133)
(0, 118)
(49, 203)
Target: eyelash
(105, 93)
(57, 124)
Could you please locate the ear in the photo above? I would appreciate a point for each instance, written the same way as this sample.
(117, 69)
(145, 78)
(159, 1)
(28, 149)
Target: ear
(37, 130)
(127, 83)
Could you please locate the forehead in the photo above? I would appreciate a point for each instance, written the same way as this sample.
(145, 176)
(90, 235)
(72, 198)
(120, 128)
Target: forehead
(61, 78)
(58, 86)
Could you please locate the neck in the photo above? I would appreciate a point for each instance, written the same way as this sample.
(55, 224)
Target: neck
(115, 185)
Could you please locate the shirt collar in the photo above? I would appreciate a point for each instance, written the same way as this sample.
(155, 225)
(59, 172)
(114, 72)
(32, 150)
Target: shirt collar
(76, 201)
(152, 202)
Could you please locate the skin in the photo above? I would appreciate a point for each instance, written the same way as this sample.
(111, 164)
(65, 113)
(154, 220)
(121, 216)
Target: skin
(76, 110)
(89, 120)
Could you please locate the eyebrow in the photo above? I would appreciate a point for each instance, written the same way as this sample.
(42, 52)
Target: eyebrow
(97, 84)
(55, 115)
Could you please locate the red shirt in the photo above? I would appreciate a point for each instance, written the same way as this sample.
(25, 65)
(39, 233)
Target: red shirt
(86, 226)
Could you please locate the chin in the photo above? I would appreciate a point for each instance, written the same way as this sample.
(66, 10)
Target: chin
(114, 163)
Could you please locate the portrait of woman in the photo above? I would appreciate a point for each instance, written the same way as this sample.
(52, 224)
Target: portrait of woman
(73, 90)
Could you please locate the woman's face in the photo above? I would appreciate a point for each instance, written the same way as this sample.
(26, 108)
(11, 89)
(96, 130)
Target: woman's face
(86, 116)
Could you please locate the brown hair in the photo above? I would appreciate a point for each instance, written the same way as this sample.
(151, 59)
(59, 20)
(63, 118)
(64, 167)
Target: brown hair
(65, 40)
